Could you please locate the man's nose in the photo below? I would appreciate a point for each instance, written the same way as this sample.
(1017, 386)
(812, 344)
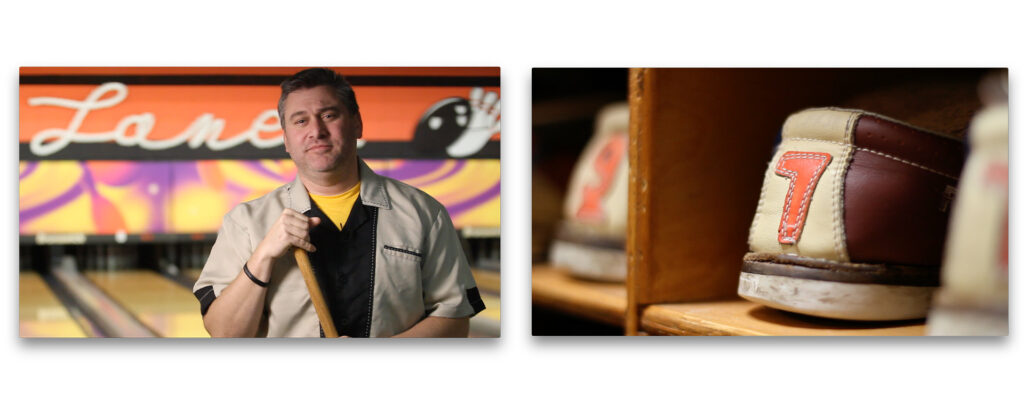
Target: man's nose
(318, 129)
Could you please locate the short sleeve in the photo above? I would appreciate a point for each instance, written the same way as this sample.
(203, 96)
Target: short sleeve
(230, 251)
(448, 286)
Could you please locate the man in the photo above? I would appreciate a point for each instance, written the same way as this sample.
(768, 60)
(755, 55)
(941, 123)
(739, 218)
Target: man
(386, 254)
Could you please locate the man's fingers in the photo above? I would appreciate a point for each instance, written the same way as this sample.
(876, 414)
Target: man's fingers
(297, 231)
(290, 223)
(290, 214)
(304, 244)
(295, 227)
(294, 215)
(296, 224)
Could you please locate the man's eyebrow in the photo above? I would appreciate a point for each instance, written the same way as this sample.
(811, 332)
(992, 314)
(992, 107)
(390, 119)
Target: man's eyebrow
(324, 109)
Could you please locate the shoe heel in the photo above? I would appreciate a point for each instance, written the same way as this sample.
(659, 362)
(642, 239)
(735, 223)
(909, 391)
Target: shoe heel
(859, 292)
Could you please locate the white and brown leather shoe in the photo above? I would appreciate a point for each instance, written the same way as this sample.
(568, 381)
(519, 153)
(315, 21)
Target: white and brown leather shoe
(852, 217)
(974, 297)
(591, 238)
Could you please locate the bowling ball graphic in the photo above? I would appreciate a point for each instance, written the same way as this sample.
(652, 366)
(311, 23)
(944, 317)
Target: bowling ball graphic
(444, 122)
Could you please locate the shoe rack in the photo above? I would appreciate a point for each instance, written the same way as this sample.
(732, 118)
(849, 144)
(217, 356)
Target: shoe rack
(700, 140)
(699, 144)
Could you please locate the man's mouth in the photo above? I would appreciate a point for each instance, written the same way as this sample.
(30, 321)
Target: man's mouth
(318, 147)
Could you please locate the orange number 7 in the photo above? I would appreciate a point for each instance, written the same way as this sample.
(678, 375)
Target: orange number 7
(604, 166)
(803, 170)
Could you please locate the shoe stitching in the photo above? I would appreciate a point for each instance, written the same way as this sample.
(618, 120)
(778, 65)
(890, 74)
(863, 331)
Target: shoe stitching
(838, 227)
(839, 191)
(789, 197)
(792, 186)
(814, 258)
(919, 166)
(760, 208)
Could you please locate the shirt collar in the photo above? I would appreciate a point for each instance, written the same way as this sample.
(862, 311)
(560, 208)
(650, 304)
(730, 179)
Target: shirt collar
(371, 192)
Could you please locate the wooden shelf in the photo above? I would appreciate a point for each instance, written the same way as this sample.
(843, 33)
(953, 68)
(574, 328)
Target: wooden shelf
(598, 301)
(699, 143)
(740, 317)
(700, 140)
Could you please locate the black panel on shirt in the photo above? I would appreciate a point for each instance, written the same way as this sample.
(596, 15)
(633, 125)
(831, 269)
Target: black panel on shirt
(343, 265)
(206, 297)
(473, 295)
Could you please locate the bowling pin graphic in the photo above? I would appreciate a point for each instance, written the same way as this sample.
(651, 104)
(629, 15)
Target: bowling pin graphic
(458, 127)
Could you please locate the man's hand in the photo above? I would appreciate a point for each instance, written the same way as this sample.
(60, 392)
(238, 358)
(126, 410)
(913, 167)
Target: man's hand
(238, 309)
(290, 229)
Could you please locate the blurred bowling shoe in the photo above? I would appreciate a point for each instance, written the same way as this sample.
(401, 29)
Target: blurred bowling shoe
(852, 217)
(591, 239)
(974, 298)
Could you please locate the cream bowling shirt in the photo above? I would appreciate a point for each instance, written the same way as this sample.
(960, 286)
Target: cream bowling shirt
(428, 275)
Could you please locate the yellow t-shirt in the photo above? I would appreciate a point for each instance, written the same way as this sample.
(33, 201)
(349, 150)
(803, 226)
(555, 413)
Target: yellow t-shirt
(337, 207)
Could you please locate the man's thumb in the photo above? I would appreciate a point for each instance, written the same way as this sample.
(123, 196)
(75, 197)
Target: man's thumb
(313, 221)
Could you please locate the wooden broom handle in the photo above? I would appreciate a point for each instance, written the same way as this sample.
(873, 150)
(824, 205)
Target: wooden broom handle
(319, 303)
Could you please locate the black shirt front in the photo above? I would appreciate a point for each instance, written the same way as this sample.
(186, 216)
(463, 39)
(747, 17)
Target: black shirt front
(343, 265)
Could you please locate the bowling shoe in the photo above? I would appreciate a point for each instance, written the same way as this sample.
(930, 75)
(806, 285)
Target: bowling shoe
(974, 297)
(852, 217)
(590, 240)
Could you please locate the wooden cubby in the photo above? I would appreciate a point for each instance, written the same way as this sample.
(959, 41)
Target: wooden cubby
(700, 140)
(565, 102)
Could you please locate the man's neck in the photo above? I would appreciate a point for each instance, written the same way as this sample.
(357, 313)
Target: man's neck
(331, 183)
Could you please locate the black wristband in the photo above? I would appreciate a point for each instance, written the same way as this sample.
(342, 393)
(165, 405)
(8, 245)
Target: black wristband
(245, 268)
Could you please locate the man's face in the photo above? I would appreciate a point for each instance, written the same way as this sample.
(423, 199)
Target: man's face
(319, 133)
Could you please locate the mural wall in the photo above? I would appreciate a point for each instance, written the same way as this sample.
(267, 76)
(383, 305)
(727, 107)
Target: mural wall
(152, 150)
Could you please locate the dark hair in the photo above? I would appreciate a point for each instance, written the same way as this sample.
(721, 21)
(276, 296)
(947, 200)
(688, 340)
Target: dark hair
(314, 77)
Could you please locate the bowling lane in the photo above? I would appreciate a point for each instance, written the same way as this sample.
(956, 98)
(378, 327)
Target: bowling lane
(192, 273)
(488, 322)
(164, 306)
(484, 324)
(40, 313)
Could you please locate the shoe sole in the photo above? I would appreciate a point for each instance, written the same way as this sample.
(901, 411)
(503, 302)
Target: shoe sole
(856, 292)
(592, 262)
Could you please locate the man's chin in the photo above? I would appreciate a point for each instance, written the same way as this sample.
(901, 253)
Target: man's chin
(326, 166)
